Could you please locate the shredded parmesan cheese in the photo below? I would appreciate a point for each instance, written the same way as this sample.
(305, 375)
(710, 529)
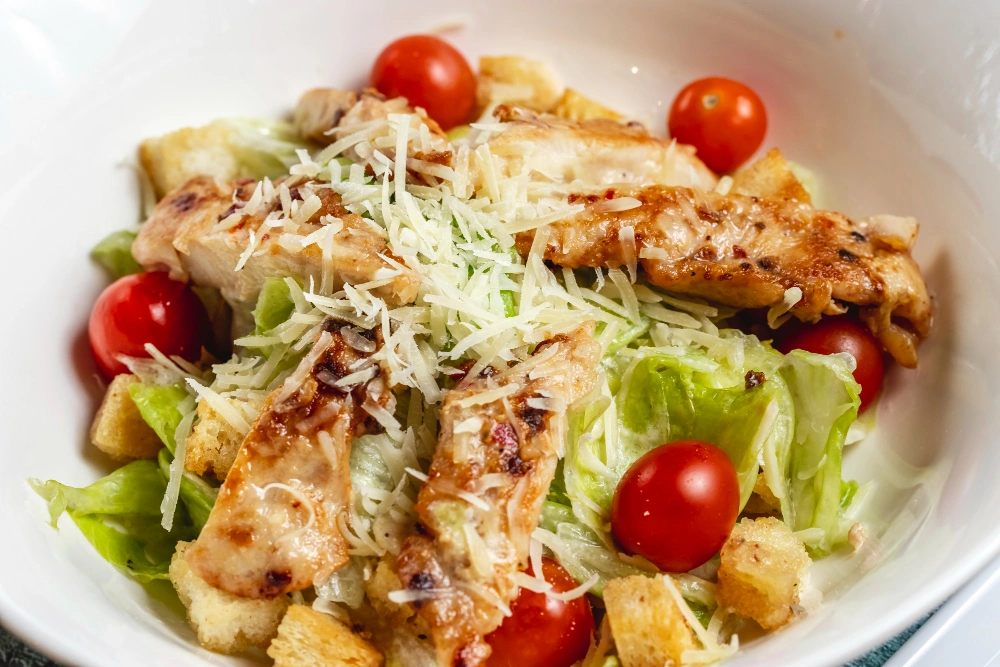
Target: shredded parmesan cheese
(778, 313)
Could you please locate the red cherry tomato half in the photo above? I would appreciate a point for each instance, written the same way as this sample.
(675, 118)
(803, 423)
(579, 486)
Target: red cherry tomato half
(430, 73)
(146, 308)
(842, 333)
(543, 631)
(724, 119)
(677, 505)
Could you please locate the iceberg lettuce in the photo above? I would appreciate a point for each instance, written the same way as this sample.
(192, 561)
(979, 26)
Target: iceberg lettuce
(790, 413)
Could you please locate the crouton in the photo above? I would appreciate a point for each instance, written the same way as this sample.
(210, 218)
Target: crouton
(224, 622)
(175, 158)
(307, 638)
(771, 177)
(213, 443)
(763, 571)
(383, 581)
(516, 81)
(648, 626)
(118, 429)
(577, 106)
(320, 110)
(762, 501)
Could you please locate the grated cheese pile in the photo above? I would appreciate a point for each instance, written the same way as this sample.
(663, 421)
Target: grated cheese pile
(478, 300)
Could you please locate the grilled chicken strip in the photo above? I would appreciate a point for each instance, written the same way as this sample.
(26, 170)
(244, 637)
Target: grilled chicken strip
(200, 230)
(500, 440)
(747, 251)
(275, 526)
(327, 115)
(595, 152)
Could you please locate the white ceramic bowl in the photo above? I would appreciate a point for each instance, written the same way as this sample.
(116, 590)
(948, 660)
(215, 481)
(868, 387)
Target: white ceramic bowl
(895, 106)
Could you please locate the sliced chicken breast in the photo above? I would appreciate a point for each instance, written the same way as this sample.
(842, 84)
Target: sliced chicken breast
(201, 231)
(748, 251)
(275, 527)
(500, 439)
(594, 152)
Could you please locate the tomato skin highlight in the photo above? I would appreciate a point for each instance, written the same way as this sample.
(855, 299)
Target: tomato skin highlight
(430, 73)
(542, 631)
(146, 308)
(723, 119)
(841, 333)
(677, 505)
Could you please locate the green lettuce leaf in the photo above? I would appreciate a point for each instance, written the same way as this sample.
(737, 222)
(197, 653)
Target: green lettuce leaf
(162, 407)
(120, 516)
(274, 305)
(509, 308)
(126, 551)
(826, 404)
(135, 488)
(197, 495)
(114, 253)
(795, 421)
(670, 397)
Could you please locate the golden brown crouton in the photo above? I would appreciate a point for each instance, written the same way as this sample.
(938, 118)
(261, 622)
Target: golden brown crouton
(383, 581)
(648, 626)
(175, 158)
(224, 622)
(320, 110)
(118, 429)
(308, 638)
(771, 177)
(577, 106)
(762, 501)
(517, 81)
(762, 571)
(213, 444)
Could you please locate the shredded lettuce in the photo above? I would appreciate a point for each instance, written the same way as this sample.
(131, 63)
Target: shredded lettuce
(628, 336)
(120, 516)
(114, 253)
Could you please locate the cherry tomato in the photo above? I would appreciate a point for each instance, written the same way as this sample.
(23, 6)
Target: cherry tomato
(842, 333)
(146, 308)
(430, 73)
(724, 119)
(543, 631)
(677, 505)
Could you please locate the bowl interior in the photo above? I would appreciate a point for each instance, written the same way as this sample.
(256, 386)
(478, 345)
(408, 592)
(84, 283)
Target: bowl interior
(888, 111)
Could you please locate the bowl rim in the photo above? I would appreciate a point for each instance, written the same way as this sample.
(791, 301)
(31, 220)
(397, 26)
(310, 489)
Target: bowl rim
(47, 640)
